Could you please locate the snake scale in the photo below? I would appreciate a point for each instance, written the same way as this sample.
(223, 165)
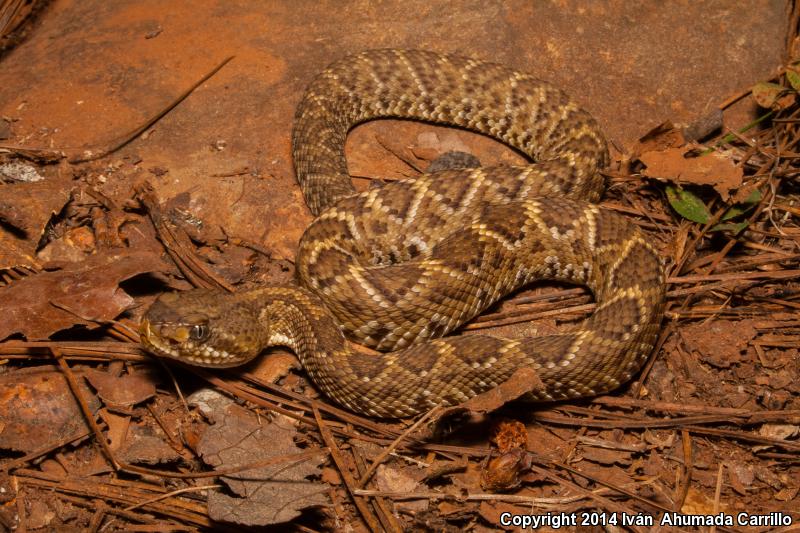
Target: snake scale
(398, 267)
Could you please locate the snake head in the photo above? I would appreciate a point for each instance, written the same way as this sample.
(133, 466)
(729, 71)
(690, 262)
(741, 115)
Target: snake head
(202, 328)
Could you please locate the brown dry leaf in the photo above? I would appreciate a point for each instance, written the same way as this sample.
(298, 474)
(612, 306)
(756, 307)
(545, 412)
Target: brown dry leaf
(611, 474)
(697, 502)
(773, 95)
(720, 343)
(274, 366)
(41, 515)
(469, 480)
(779, 431)
(662, 137)
(605, 456)
(543, 442)
(447, 508)
(137, 444)
(73, 246)
(144, 446)
(654, 465)
(210, 402)
(267, 495)
(89, 289)
(787, 494)
(457, 511)
(712, 169)
(741, 477)
(769, 476)
(27, 207)
(118, 426)
(502, 473)
(391, 479)
(521, 382)
(16, 252)
(37, 408)
(122, 391)
(331, 476)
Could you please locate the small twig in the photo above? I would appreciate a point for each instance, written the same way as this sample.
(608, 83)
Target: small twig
(178, 246)
(402, 157)
(717, 494)
(87, 413)
(772, 275)
(393, 446)
(133, 134)
(171, 494)
(91, 153)
(125, 467)
(175, 384)
(688, 464)
(648, 366)
(382, 507)
(336, 455)
(125, 331)
(35, 454)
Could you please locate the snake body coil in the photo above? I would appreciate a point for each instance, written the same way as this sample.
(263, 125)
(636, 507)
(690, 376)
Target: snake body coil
(397, 267)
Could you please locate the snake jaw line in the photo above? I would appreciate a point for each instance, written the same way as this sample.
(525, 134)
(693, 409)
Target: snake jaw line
(186, 352)
(172, 329)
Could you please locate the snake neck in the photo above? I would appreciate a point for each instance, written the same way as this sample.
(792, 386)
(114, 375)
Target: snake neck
(297, 319)
(294, 317)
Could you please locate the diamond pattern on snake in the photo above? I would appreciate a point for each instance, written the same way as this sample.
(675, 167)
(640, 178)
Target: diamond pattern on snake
(398, 268)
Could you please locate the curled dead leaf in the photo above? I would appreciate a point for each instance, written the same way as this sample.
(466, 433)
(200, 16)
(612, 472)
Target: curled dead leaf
(82, 293)
(122, 391)
(713, 168)
(521, 382)
(264, 495)
(502, 472)
(662, 137)
(772, 95)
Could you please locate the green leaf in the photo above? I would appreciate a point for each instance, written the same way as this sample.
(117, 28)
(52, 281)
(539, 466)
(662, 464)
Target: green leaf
(733, 227)
(730, 136)
(687, 205)
(744, 206)
(753, 198)
(736, 210)
(793, 77)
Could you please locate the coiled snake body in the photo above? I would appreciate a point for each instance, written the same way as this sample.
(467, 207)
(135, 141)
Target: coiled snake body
(399, 266)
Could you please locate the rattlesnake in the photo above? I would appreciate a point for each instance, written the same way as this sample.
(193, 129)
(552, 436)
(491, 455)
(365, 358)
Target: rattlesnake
(397, 266)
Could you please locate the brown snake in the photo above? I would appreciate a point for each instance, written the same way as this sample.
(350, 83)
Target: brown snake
(398, 266)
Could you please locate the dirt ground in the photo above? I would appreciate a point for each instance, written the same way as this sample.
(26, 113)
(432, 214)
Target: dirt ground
(145, 147)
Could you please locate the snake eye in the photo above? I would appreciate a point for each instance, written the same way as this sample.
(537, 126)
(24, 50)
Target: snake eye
(198, 332)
